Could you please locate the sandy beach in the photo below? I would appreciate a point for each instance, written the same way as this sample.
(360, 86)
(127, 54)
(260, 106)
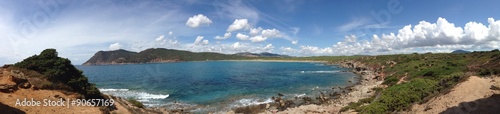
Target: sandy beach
(475, 95)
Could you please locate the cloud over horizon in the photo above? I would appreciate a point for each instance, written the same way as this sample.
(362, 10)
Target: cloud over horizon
(199, 41)
(235, 26)
(115, 46)
(441, 36)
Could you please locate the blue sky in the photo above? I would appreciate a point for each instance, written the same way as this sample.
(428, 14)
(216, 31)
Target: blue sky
(78, 29)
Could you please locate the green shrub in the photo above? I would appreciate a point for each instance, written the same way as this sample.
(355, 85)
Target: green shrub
(390, 80)
(135, 103)
(351, 105)
(356, 105)
(374, 108)
(377, 89)
(400, 96)
(429, 74)
(367, 100)
(60, 71)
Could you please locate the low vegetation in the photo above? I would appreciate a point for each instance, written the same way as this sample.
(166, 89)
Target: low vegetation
(427, 75)
(415, 78)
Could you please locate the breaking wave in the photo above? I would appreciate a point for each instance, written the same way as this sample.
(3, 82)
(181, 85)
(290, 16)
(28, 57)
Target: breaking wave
(148, 99)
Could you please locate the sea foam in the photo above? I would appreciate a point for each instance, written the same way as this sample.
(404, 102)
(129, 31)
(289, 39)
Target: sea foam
(250, 101)
(143, 97)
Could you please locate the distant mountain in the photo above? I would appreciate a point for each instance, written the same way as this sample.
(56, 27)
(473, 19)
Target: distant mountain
(153, 55)
(263, 54)
(460, 51)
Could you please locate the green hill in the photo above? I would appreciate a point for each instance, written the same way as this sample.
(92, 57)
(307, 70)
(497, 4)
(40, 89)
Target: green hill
(154, 55)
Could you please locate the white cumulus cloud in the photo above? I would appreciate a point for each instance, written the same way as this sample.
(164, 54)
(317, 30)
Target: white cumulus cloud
(269, 47)
(288, 50)
(199, 41)
(258, 39)
(160, 38)
(255, 31)
(226, 35)
(238, 24)
(115, 46)
(242, 36)
(441, 36)
(271, 33)
(198, 20)
(313, 50)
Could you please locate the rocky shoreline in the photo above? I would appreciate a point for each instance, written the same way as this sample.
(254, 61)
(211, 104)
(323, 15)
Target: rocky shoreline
(369, 78)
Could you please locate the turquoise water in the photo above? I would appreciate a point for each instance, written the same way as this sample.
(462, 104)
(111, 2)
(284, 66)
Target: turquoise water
(215, 85)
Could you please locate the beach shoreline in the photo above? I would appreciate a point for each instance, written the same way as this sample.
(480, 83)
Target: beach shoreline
(359, 90)
(367, 79)
(363, 89)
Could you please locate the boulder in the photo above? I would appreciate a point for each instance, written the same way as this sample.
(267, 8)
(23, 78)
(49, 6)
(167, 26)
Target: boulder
(18, 76)
(7, 88)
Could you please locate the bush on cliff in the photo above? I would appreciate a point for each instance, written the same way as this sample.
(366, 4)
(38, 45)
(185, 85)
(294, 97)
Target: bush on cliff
(60, 71)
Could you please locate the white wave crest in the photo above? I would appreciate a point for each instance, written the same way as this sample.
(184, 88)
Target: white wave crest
(300, 95)
(126, 93)
(248, 102)
(106, 90)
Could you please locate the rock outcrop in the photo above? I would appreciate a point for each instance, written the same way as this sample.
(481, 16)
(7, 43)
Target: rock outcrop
(10, 81)
(371, 72)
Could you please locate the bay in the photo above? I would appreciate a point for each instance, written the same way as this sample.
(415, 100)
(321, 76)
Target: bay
(215, 85)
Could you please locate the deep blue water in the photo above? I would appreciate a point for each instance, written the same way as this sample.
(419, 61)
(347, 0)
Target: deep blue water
(215, 83)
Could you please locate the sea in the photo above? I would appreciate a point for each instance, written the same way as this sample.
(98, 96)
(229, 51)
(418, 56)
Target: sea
(213, 86)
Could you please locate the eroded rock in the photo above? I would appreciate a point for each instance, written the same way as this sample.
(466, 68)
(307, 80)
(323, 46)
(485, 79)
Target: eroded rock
(7, 84)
